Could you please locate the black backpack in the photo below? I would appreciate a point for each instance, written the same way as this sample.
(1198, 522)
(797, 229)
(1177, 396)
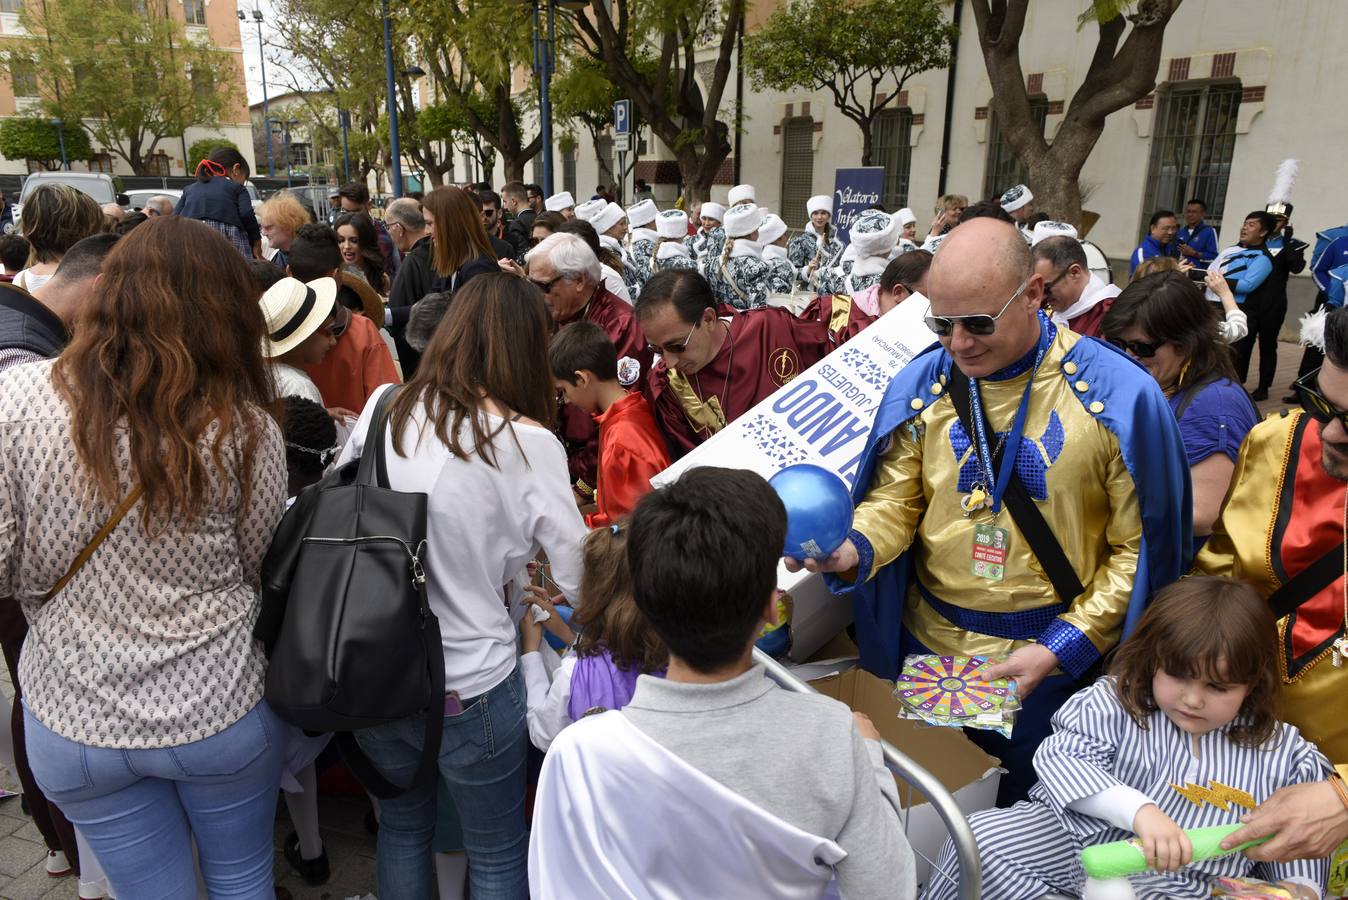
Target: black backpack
(344, 617)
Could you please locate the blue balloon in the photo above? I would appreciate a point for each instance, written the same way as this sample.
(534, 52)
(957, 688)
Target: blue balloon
(818, 510)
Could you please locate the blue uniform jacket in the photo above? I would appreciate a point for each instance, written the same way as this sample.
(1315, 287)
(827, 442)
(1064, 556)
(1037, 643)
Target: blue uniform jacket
(1153, 451)
(1203, 239)
(1331, 252)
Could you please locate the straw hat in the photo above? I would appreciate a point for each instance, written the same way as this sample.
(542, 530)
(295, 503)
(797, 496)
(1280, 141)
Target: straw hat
(294, 310)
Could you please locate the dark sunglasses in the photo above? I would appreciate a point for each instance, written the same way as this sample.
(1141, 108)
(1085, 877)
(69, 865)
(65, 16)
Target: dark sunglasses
(1314, 402)
(1140, 349)
(980, 325)
(546, 286)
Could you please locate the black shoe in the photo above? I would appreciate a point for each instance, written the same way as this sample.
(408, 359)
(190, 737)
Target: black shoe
(1292, 398)
(1259, 395)
(315, 872)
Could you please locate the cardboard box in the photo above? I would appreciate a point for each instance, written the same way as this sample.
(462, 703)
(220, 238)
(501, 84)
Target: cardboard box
(822, 416)
(967, 772)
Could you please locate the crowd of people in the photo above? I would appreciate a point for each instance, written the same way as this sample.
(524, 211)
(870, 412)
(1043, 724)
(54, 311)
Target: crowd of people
(1167, 600)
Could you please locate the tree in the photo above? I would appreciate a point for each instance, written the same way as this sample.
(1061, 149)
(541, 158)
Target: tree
(469, 48)
(850, 50)
(126, 69)
(585, 94)
(326, 44)
(649, 50)
(1122, 71)
(36, 138)
(201, 149)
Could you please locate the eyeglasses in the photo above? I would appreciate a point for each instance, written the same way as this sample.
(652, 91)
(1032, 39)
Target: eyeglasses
(546, 286)
(1140, 349)
(675, 348)
(1314, 402)
(1049, 285)
(981, 325)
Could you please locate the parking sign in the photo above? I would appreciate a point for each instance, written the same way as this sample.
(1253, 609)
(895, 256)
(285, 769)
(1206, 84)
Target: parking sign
(622, 117)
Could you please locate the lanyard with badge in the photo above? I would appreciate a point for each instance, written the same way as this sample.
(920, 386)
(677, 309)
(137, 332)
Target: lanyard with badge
(991, 543)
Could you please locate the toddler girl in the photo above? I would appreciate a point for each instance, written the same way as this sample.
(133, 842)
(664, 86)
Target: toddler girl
(1184, 723)
(615, 645)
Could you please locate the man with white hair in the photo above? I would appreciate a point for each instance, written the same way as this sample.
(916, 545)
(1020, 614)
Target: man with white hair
(818, 246)
(562, 203)
(416, 274)
(158, 205)
(566, 270)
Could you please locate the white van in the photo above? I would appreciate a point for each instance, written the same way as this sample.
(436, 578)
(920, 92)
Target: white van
(98, 185)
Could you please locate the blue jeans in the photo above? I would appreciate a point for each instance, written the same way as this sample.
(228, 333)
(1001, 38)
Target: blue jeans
(482, 754)
(141, 810)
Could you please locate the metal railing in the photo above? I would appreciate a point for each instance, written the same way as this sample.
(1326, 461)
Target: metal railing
(966, 851)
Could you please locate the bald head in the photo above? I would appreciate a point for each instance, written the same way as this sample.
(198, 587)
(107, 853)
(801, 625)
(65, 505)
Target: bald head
(979, 271)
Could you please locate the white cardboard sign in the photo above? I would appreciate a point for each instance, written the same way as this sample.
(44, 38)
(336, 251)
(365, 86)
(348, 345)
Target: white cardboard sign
(823, 416)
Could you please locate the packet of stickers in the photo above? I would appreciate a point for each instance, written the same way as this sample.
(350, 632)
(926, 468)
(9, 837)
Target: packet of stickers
(1250, 889)
(954, 692)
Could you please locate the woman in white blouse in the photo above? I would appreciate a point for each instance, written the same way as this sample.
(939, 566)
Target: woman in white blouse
(471, 431)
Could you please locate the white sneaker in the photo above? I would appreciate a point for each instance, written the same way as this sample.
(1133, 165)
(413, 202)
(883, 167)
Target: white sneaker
(57, 864)
(94, 890)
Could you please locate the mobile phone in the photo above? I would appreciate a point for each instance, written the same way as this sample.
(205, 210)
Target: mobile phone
(1199, 275)
(453, 705)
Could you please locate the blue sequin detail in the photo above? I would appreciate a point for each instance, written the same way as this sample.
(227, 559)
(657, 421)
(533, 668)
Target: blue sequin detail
(1047, 332)
(1076, 653)
(1025, 625)
(865, 555)
(1033, 457)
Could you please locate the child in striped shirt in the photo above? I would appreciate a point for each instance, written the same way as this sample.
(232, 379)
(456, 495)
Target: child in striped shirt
(1188, 709)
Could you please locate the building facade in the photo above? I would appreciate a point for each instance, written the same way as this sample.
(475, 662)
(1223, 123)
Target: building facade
(215, 21)
(1242, 85)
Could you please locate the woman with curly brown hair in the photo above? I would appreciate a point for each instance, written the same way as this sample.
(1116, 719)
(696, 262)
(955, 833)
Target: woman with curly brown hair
(142, 477)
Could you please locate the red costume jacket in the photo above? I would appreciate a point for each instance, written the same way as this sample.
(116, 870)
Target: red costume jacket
(578, 432)
(766, 348)
(631, 452)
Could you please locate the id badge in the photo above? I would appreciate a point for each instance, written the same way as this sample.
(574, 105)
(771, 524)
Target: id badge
(989, 552)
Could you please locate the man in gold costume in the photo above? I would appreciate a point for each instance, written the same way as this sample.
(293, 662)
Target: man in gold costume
(1024, 490)
(1282, 529)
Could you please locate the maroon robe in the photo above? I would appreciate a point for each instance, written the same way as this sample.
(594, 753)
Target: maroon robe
(844, 318)
(579, 433)
(767, 347)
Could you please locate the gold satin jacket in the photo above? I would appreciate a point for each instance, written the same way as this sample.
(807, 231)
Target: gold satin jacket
(1085, 493)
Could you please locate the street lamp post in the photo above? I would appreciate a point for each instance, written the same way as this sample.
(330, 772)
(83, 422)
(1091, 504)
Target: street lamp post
(266, 106)
(61, 139)
(344, 118)
(286, 125)
(395, 150)
(545, 63)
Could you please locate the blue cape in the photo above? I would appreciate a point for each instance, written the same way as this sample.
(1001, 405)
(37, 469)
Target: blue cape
(1135, 411)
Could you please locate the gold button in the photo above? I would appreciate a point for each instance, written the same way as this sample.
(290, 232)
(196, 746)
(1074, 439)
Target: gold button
(943, 379)
(936, 388)
(1081, 387)
(917, 403)
(1070, 368)
(1097, 407)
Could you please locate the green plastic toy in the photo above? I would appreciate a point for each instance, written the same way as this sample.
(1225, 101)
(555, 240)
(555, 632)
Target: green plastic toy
(1123, 858)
